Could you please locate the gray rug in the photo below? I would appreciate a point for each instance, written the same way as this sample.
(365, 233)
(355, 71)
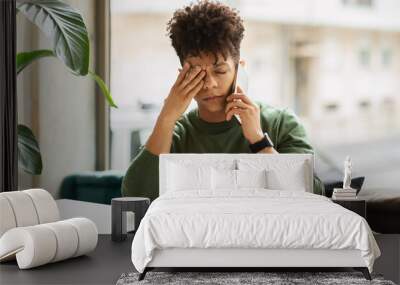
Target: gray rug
(229, 278)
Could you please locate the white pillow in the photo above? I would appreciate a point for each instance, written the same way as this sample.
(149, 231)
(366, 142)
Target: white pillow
(229, 179)
(282, 174)
(185, 177)
(223, 179)
(293, 180)
(251, 178)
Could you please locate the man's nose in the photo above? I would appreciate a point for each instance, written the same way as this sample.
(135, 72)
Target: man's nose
(209, 81)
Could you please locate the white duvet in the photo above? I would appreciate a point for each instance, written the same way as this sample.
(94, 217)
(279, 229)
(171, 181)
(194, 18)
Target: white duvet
(251, 218)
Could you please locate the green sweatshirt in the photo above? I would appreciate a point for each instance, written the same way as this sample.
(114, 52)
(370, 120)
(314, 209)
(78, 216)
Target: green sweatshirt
(193, 135)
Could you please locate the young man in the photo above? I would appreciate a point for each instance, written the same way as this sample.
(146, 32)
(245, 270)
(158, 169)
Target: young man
(206, 37)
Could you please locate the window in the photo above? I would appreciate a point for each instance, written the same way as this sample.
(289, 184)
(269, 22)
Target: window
(386, 57)
(364, 57)
(358, 3)
(317, 79)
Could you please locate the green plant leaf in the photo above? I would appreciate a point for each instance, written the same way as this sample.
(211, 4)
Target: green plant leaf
(26, 58)
(104, 88)
(64, 27)
(29, 157)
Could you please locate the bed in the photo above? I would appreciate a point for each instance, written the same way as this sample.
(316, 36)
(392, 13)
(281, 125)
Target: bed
(247, 210)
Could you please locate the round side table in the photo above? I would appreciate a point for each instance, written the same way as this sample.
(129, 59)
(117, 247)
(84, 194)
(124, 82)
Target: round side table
(119, 207)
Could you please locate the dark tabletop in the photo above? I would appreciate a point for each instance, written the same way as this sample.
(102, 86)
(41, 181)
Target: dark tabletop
(104, 265)
(110, 259)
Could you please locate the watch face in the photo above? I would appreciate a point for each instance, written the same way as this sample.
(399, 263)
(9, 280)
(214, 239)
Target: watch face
(269, 139)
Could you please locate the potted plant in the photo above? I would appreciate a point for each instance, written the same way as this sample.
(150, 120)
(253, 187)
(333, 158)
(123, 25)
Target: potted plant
(65, 28)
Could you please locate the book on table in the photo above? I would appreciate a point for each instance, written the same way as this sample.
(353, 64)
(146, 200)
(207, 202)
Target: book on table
(341, 190)
(343, 194)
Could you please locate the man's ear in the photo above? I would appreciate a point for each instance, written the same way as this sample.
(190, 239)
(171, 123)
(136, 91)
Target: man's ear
(242, 62)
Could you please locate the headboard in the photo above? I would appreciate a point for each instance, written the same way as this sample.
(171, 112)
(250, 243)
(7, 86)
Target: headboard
(218, 159)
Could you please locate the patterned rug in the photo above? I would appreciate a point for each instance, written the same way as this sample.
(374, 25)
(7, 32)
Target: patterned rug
(229, 278)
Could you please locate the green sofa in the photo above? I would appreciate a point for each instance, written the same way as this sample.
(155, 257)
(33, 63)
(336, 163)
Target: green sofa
(92, 186)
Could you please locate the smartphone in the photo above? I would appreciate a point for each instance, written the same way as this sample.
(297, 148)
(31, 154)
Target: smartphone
(242, 80)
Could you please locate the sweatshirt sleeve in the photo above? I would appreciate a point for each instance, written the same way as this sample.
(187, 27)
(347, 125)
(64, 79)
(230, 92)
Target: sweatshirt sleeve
(142, 176)
(292, 138)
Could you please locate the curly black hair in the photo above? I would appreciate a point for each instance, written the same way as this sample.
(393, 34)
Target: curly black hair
(206, 26)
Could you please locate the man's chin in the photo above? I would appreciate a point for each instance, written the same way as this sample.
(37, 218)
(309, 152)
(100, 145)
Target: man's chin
(215, 108)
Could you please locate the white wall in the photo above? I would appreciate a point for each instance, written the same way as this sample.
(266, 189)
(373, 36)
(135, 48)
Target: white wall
(66, 111)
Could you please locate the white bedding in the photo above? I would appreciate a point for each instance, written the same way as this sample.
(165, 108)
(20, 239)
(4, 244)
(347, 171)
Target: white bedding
(251, 218)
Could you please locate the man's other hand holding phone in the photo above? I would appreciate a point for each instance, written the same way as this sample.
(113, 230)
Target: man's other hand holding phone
(239, 104)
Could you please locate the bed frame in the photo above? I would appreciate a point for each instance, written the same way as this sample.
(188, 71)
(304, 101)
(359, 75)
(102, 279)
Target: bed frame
(244, 259)
(247, 259)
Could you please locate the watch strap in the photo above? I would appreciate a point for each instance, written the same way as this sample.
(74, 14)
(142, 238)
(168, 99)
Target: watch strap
(261, 144)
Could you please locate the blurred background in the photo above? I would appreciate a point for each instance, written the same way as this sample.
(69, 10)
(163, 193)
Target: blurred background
(335, 63)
